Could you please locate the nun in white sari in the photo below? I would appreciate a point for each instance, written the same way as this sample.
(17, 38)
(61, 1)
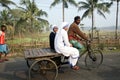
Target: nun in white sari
(62, 45)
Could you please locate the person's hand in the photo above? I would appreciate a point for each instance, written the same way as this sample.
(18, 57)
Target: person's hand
(70, 45)
(88, 41)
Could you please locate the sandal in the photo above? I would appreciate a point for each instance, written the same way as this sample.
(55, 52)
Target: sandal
(75, 67)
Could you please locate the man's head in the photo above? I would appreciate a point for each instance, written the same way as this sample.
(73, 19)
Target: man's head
(3, 28)
(77, 20)
(55, 28)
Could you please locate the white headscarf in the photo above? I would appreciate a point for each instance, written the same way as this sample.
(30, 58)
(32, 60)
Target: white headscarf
(64, 24)
(54, 26)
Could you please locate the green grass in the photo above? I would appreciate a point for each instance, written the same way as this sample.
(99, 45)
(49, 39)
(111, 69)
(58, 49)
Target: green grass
(19, 41)
(111, 51)
(43, 37)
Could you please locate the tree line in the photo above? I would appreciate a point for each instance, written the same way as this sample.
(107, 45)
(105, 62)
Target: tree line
(29, 18)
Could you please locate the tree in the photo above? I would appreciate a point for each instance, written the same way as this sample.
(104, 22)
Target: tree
(5, 3)
(32, 14)
(90, 6)
(19, 21)
(117, 11)
(5, 17)
(64, 4)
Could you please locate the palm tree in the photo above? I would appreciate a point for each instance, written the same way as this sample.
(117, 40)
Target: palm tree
(5, 3)
(116, 29)
(32, 14)
(5, 17)
(19, 21)
(90, 6)
(64, 4)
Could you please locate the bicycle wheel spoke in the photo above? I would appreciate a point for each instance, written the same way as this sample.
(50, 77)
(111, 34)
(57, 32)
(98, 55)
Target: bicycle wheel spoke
(93, 60)
(29, 63)
(46, 70)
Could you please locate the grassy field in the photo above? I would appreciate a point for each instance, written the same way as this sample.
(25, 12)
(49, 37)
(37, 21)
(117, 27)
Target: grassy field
(42, 37)
(18, 44)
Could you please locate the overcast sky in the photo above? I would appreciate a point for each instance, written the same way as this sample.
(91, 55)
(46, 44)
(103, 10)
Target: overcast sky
(55, 14)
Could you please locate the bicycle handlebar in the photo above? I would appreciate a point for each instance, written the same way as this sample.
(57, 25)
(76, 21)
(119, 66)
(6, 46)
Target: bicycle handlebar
(86, 41)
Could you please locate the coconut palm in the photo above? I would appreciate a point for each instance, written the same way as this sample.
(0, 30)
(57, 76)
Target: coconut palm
(90, 6)
(32, 14)
(64, 4)
(116, 29)
(5, 17)
(5, 3)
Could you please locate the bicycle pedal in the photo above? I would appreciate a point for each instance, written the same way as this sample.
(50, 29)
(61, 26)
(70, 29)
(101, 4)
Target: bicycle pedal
(94, 59)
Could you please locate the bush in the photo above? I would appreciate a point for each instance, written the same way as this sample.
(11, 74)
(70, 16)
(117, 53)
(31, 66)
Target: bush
(101, 46)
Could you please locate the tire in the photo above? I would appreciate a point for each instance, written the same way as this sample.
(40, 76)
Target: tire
(29, 63)
(46, 70)
(94, 60)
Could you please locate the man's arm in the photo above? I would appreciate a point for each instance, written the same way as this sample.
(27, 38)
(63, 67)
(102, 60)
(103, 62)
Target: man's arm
(0, 33)
(79, 32)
